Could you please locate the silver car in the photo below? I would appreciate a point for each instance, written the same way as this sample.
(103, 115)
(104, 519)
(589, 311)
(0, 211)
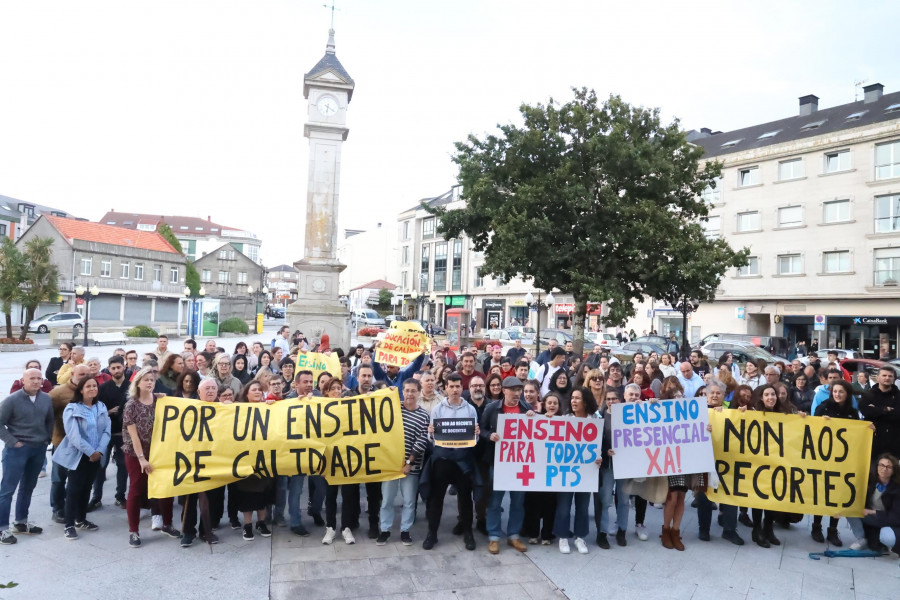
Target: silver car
(45, 323)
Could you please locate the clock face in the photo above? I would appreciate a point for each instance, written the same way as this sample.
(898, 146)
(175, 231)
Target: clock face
(327, 106)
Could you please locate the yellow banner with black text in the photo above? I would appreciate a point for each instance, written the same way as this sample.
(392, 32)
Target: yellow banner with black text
(788, 463)
(198, 446)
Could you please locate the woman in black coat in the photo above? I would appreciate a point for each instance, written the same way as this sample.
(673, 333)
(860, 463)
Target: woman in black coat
(879, 529)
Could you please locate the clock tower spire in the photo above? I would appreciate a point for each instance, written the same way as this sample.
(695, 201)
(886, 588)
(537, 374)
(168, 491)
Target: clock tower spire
(328, 89)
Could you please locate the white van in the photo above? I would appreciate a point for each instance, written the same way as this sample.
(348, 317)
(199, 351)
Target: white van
(366, 317)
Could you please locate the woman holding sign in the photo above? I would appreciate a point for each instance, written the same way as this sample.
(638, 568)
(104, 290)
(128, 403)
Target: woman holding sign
(603, 499)
(253, 493)
(583, 406)
(541, 506)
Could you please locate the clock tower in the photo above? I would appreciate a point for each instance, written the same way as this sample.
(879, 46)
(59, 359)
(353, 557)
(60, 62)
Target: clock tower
(328, 89)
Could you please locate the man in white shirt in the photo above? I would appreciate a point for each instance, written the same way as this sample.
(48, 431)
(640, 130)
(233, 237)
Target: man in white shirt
(689, 380)
(282, 340)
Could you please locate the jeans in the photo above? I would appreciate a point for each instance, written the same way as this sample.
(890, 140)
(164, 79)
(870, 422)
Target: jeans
(294, 491)
(21, 467)
(513, 521)
(276, 512)
(78, 490)
(885, 534)
(58, 476)
(114, 451)
(564, 514)
(409, 488)
(604, 499)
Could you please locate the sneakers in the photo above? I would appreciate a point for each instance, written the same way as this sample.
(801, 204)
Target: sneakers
(187, 540)
(26, 528)
(134, 540)
(641, 532)
(858, 544)
(235, 523)
(374, 531)
(517, 544)
(602, 541)
(86, 526)
(120, 503)
(382, 538)
(156, 522)
(7, 538)
(170, 531)
(545, 542)
(564, 546)
(59, 517)
(620, 538)
(430, 541)
(581, 546)
(210, 538)
(348, 536)
(405, 538)
(263, 529)
(534, 541)
(469, 540)
(300, 530)
(94, 505)
(248, 532)
(70, 533)
(329, 535)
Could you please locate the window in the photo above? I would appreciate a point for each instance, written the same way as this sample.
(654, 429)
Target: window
(403, 280)
(404, 255)
(711, 195)
(86, 264)
(139, 271)
(184, 228)
(836, 262)
(428, 227)
(105, 268)
(887, 213)
(748, 221)
(769, 134)
(157, 273)
(887, 266)
(3, 229)
(836, 211)
(173, 275)
(223, 254)
(224, 276)
(124, 270)
(423, 272)
(479, 278)
(856, 116)
(790, 169)
(198, 229)
(27, 209)
(893, 108)
(146, 227)
(242, 277)
(405, 230)
(748, 176)
(887, 160)
(456, 278)
(790, 264)
(206, 276)
(440, 266)
(732, 143)
(751, 269)
(813, 125)
(837, 161)
(790, 216)
(713, 227)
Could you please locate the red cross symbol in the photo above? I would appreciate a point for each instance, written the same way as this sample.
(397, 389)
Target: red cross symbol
(525, 475)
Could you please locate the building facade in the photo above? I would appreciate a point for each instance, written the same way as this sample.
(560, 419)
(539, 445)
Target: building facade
(816, 199)
(368, 255)
(16, 216)
(282, 285)
(229, 275)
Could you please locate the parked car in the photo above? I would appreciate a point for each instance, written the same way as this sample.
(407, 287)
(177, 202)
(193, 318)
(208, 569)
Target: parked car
(607, 341)
(506, 339)
(366, 317)
(277, 312)
(656, 340)
(63, 320)
(776, 346)
(871, 367)
(627, 351)
(842, 353)
(391, 318)
(562, 336)
(526, 333)
(742, 352)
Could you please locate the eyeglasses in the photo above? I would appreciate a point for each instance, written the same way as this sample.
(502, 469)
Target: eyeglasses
(886, 466)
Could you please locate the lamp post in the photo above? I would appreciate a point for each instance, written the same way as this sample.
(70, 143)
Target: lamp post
(419, 300)
(685, 306)
(87, 294)
(538, 306)
(191, 299)
(432, 306)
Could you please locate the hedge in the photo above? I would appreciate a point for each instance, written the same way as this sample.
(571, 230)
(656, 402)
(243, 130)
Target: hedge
(142, 331)
(234, 325)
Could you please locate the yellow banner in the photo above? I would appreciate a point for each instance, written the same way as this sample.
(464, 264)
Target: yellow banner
(789, 463)
(402, 343)
(199, 446)
(318, 363)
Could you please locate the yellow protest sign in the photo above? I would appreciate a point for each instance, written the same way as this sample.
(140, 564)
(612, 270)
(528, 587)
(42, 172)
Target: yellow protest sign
(789, 463)
(402, 343)
(318, 363)
(198, 446)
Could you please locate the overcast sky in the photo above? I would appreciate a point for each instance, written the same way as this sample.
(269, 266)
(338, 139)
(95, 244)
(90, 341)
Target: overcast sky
(196, 107)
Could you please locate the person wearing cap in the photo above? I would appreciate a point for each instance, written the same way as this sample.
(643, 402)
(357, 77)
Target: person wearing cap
(512, 404)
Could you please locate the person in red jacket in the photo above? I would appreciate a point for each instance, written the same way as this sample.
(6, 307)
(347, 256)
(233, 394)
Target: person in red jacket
(46, 384)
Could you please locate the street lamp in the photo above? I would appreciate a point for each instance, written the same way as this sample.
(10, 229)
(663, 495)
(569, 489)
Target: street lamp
(191, 299)
(419, 300)
(432, 306)
(685, 306)
(87, 294)
(538, 306)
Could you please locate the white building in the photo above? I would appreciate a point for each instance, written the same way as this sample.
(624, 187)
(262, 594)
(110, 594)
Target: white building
(368, 255)
(816, 198)
(366, 295)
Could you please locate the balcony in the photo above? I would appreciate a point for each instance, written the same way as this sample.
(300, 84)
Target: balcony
(114, 285)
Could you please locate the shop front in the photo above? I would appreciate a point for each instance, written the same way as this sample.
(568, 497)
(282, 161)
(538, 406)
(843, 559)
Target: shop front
(564, 313)
(518, 312)
(873, 336)
(492, 313)
(449, 303)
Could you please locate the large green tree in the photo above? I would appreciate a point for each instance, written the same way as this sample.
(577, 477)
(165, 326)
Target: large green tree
(12, 267)
(596, 199)
(40, 281)
(191, 276)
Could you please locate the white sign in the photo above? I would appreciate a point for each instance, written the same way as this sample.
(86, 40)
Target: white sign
(540, 454)
(819, 323)
(667, 437)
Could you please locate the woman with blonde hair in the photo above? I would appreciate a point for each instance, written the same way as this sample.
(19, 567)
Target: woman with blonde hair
(221, 372)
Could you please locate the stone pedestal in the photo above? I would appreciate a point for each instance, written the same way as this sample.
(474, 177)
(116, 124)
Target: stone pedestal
(317, 309)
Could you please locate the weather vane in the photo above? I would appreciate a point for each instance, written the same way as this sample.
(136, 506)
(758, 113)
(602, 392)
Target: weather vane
(332, 12)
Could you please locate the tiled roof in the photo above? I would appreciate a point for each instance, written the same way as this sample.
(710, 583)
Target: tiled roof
(179, 225)
(378, 284)
(286, 268)
(109, 234)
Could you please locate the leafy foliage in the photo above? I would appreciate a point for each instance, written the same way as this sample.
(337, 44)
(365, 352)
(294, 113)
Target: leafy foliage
(40, 281)
(164, 230)
(384, 297)
(192, 279)
(599, 200)
(12, 267)
(141, 331)
(234, 325)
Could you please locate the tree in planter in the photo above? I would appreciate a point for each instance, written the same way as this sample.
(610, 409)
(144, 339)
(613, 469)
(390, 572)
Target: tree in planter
(590, 199)
(11, 275)
(40, 281)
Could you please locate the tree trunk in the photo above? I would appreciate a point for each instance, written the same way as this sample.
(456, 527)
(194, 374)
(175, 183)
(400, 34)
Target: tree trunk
(578, 325)
(9, 333)
(29, 316)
